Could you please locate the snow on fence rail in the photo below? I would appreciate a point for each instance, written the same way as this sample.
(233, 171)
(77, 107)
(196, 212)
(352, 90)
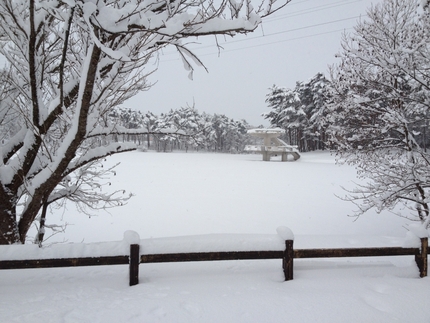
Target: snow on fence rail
(133, 251)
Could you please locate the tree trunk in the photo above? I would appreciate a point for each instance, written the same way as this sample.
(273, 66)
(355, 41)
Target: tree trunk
(9, 233)
(42, 192)
(41, 233)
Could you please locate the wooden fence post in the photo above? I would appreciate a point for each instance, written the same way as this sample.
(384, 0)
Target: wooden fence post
(421, 258)
(134, 264)
(288, 260)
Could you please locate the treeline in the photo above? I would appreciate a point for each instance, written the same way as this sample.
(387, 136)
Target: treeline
(312, 115)
(301, 112)
(183, 129)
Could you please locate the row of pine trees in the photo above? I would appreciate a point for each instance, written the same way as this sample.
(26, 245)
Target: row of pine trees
(183, 129)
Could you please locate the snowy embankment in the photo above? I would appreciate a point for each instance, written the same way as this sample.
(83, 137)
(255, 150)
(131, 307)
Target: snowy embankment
(224, 201)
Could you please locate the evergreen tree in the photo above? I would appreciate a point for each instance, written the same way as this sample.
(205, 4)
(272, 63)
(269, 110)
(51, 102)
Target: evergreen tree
(300, 112)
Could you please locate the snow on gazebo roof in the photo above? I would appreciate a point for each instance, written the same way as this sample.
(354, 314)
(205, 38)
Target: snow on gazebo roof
(268, 131)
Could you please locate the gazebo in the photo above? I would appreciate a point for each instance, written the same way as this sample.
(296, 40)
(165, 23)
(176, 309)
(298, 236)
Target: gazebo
(272, 144)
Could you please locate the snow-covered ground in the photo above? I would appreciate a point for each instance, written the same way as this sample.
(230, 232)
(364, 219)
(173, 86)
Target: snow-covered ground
(211, 196)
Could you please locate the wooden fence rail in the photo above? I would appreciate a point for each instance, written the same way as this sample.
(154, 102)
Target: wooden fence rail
(134, 259)
(421, 254)
(211, 256)
(64, 262)
(289, 254)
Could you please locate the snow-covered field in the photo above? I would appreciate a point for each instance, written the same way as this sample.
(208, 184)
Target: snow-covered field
(215, 195)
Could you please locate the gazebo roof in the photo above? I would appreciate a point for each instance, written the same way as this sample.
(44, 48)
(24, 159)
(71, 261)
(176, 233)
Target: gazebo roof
(262, 132)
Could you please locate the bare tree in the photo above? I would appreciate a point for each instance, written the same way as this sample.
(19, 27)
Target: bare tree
(86, 188)
(381, 95)
(70, 63)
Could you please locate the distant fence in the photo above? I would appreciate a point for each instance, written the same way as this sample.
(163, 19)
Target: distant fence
(287, 255)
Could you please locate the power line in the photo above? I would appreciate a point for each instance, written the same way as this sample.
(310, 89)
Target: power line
(295, 29)
(261, 45)
(279, 17)
(284, 40)
(277, 33)
(307, 11)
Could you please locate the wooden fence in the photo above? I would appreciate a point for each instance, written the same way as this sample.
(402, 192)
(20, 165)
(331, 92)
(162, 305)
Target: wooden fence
(287, 256)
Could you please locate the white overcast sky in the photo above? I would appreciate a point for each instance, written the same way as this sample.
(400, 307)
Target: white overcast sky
(292, 45)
